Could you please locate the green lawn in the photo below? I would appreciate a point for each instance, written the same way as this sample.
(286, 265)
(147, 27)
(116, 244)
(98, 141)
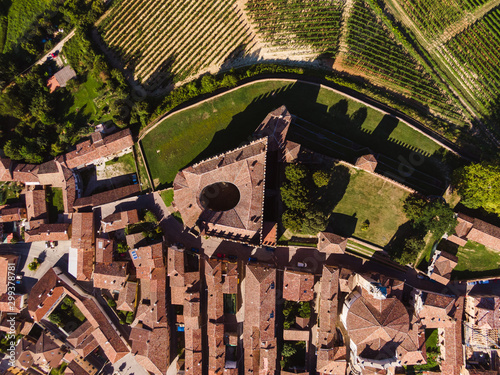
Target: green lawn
(88, 100)
(476, 260)
(228, 121)
(127, 163)
(167, 196)
(55, 204)
(432, 349)
(368, 197)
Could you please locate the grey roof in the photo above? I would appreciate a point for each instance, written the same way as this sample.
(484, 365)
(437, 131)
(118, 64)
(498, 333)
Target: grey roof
(64, 75)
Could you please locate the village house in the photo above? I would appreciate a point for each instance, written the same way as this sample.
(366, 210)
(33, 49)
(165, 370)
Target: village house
(82, 249)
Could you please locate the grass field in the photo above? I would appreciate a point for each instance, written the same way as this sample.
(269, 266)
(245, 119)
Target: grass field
(368, 197)
(125, 162)
(55, 203)
(85, 98)
(476, 260)
(167, 196)
(229, 120)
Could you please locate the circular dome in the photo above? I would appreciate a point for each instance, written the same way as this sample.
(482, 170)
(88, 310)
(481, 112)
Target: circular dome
(377, 326)
(221, 196)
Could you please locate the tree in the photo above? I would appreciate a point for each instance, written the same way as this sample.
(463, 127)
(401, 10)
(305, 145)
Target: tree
(409, 252)
(33, 266)
(122, 247)
(295, 172)
(479, 186)
(305, 310)
(321, 178)
(288, 350)
(314, 222)
(430, 215)
(55, 318)
(150, 217)
(292, 220)
(295, 196)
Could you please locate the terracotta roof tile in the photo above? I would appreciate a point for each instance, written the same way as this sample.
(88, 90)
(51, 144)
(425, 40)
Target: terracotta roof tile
(367, 162)
(245, 169)
(298, 286)
(36, 206)
(119, 220)
(48, 232)
(12, 213)
(88, 152)
(126, 299)
(331, 243)
(110, 276)
(108, 196)
(104, 250)
(275, 126)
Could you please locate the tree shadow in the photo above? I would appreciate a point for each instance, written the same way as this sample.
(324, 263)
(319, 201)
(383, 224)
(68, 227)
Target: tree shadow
(342, 224)
(329, 196)
(396, 244)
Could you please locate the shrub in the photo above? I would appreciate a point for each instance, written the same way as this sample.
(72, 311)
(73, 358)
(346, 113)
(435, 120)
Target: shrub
(122, 247)
(33, 266)
(130, 318)
(321, 178)
(365, 225)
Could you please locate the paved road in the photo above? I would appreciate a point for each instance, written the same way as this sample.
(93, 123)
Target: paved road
(57, 48)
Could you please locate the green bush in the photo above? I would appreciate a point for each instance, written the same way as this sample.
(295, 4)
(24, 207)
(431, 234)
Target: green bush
(33, 266)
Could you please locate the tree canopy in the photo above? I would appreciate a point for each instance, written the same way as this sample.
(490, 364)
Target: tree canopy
(430, 215)
(479, 186)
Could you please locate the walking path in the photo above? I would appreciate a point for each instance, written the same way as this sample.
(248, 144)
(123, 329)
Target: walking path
(57, 48)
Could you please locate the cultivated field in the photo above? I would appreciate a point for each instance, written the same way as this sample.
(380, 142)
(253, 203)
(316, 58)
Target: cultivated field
(297, 26)
(371, 50)
(163, 41)
(475, 54)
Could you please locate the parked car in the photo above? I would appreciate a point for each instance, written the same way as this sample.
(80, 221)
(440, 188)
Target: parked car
(232, 257)
(195, 250)
(302, 264)
(220, 255)
(252, 260)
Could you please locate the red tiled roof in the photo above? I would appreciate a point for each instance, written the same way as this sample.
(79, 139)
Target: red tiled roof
(110, 276)
(10, 213)
(147, 258)
(6, 261)
(83, 240)
(367, 162)
(269, 233)
(104, 250)
(108, 196)
(244, 168)
(119, 220)
(331, 243)
(328, 306)
(36, 205)
(260, 313)
(374, 325)
(48, 232)
(126, 299)
(88, 152)
(275, 126)
(25, 173)
(5, 165)
(298, 286)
